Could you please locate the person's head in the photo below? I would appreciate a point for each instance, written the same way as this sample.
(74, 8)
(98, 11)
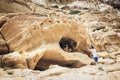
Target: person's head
(66, 45)
(91, 47)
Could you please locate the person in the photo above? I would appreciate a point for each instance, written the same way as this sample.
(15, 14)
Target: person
(94, 53)
(67, 48)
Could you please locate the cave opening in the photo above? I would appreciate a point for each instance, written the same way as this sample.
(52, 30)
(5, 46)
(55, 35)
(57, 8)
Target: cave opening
(2, 23)
(67, 44)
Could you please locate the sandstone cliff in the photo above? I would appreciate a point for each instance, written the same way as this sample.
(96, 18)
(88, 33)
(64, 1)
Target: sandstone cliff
(43, 38)
(53, 35)
(37, 6)
(104, 30)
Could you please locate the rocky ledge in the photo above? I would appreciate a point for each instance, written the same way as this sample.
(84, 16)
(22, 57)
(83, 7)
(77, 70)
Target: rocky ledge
(38, 43)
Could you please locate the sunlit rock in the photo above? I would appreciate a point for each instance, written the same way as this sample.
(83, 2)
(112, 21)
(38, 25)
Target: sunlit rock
(14, 60)
(103, 54)
(104, 30)
(42, 39)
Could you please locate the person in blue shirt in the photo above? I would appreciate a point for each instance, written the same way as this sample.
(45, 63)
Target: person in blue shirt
(94, 53)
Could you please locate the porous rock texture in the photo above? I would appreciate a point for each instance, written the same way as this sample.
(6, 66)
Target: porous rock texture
(104, 30)
(100, 5)
(37, 37)
(33, 40)
(21, 6)
(37, 6)
(14, 6)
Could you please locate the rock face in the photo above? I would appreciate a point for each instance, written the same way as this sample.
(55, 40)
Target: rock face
(36, 6)
(14, 60)
(3, 46)
(104, 30)
(21, 6)
(100, 5)
(14, 6)
(56, 41)
(114, 3)
(37, 37)
(47, 3)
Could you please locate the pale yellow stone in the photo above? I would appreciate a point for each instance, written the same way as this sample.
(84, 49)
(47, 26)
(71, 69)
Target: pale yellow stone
(103, 54)
(118, 58)
(37, 37)
(14, 60)
(106, 61)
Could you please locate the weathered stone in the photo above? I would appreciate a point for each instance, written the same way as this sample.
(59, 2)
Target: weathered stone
(36, 6)
(103, 30)
(0, 61)
(14, 60)
(114, 55)
(40, 38)
(57, 73)
(118, 58)
(106, 61)
(92, 70)
(3, 46)
(71, 76)
(103, 54)
(111, 76)
(21, 6)
(101, 76)
(14, 6)
(113, 67)
(116, 74)
(114, 3)
(2, 20)
(2, 72)
(71, 60)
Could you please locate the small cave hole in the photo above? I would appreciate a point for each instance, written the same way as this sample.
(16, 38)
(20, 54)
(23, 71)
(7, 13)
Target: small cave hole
(2, 23)
(67, 44)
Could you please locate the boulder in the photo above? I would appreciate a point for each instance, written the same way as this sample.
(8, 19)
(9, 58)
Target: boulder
(40, 39)
(14, 60)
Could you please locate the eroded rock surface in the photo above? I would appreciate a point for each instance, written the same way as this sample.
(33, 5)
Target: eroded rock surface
(90, 72)
(104, 30)
(35, 40)
(21, 6)
(37, 6)
(38, 37)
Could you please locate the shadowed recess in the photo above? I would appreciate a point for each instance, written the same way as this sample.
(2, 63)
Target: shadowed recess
(67, 44)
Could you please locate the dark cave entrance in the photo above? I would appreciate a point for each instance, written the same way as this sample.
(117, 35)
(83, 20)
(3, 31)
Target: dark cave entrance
(67, 44)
